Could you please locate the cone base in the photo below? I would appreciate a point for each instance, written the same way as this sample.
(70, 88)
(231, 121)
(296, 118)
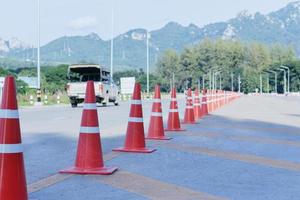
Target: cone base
(142, 150)
(175, 129)
(95, 171)
(158, 138)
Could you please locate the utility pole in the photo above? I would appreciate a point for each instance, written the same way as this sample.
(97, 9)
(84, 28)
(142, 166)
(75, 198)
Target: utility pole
(38, 47)
(112, 44)
(39, 99)
(148, 63)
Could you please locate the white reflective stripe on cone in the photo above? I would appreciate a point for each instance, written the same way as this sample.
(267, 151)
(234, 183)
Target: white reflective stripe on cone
(89, 129)
(197, 104)
(189, 98)
(156, 100)
(204, 103)
(135, 119)
(156, 114)
(173, 99)
(136, 102)
(9, 114)
(11, 148)
(189, 107)
(90, 106)
(173, 110)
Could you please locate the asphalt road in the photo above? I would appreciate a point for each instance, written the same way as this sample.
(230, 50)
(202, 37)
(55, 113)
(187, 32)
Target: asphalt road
(50, 133)
(248, 149)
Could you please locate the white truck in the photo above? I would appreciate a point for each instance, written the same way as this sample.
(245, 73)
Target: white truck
(78, 75)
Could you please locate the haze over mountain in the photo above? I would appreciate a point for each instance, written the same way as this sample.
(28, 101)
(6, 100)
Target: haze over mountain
(282, 26)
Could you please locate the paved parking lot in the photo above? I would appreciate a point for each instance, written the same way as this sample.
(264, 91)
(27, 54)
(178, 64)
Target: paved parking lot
(248, 149)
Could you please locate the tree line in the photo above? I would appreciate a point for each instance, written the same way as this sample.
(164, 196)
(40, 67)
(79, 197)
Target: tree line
(247, 60)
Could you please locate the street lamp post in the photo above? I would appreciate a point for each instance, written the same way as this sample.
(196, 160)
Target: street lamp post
(210, 81)
(112, 44)
(268, 83)
(268, 79)
(261, 87)
(284, 80)
(275, 73)
(288, 81)
(239, 79)
(220, 78)
(231, 81)
(216, 74)
(38, 54)
(213, 81)
(147, 63)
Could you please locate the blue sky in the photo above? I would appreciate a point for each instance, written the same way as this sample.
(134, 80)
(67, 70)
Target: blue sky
(80, 17)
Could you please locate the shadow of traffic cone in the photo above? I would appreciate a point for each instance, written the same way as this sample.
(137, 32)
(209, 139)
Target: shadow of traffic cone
(189, 116)
(89, 158)
(135, 136)
(197, 105)
(204, 103)
(173, 118)
(12, 174)
(156, 125)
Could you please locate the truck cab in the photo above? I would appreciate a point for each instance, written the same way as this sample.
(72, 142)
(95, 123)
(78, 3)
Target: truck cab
(78, 75)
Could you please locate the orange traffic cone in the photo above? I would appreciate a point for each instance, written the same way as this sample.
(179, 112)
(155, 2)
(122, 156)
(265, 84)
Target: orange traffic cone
(12, 174)
(135, 137)
(173, 118)
(156, 126)
(189, 116)
(197, 105)
(204, 103)
(89, 158)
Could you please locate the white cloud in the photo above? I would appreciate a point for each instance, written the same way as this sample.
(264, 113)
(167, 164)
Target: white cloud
(83, 22)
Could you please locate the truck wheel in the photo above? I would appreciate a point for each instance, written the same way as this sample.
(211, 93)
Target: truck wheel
(74, 105)
(116, 103)
(104, 104)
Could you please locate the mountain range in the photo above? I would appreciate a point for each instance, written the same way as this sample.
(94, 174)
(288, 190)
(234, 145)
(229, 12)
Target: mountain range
(281, 26)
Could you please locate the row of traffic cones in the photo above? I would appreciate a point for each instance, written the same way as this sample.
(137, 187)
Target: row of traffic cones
(89, 158)
(211, 101)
